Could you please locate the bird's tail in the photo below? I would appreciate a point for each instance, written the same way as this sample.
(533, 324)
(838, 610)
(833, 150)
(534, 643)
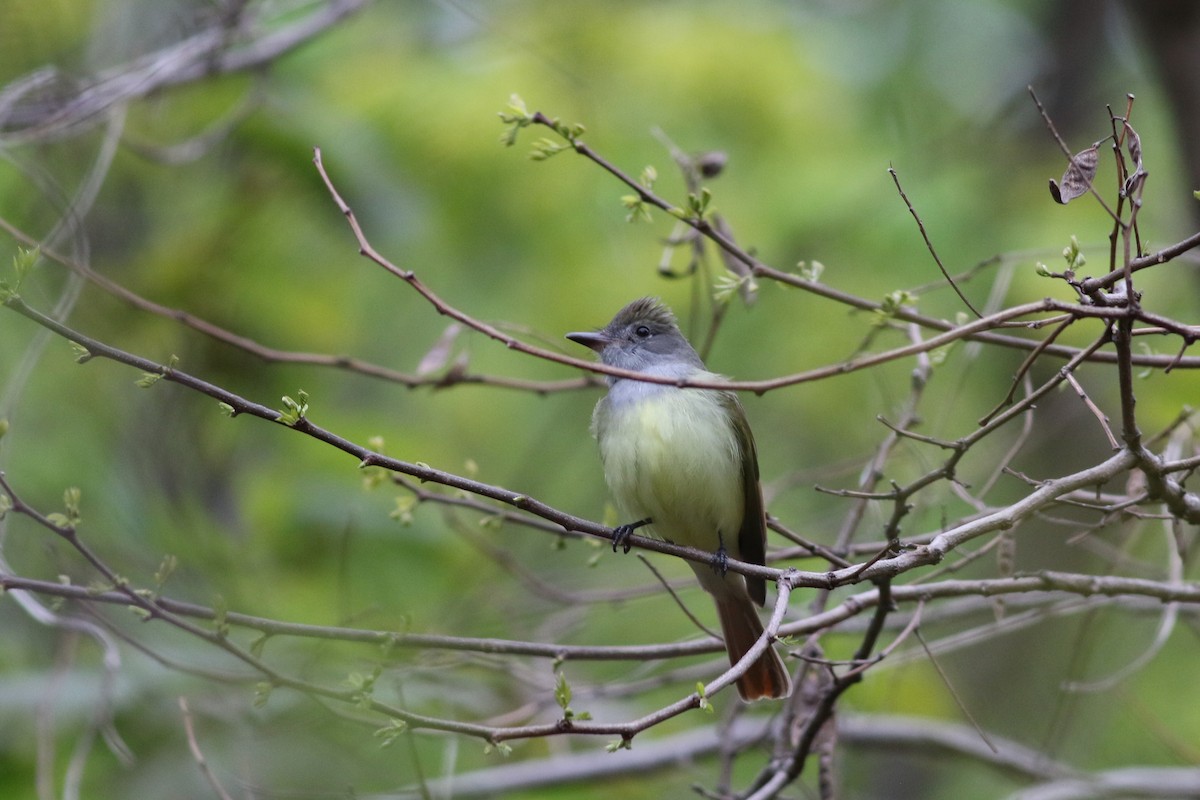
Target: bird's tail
(741, 627)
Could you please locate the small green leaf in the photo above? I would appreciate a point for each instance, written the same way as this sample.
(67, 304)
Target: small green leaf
(23, 261)
(390, 732)
(730, 284)
(256, 647)
(388, 645)
(372, 475)
(545, 148)
(262, 693)
(562, 691)
(619, 744)
(562, 696)
(509, 137)
(938, 355)
(71, 497)
(82, 354)
(896, 300)
(516, 110)
(98, 587)
(165, 568)
(516, 117)
(1073, 256)
(698, 203)
(3, 426)
(148, 379)
(705, 705)
(403, 512)
(294, 410)
(363, 687)
(892, 304)
(810, 270)
(6, 505)
(497, 747)
(226, 409)
(58, 520)
(637, 208)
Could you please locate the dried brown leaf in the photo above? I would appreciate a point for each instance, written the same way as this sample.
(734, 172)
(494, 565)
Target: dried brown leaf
(1078, 177)
(1133, 145)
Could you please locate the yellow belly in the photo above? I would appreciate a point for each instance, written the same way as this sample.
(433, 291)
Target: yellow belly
(674, 457)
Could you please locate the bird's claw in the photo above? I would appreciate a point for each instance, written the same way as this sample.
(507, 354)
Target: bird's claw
(720, 561)
(621, 534)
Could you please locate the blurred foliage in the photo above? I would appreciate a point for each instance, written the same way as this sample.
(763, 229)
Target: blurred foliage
(811, 102)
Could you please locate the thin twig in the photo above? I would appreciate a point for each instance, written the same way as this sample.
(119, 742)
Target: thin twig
(929, 244)
(687, 612)
(1096, 412)
(197, 753)
(954, 694)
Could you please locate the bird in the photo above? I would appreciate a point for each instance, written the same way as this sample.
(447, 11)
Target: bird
(682, 463)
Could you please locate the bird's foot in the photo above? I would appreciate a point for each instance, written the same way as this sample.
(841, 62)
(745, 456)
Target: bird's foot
(720, 561)
(621, 533)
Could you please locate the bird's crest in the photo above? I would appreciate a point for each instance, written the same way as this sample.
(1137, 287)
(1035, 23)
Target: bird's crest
(646, 309)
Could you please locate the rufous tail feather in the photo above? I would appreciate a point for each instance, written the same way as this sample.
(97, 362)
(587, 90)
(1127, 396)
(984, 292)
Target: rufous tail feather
(767, 677)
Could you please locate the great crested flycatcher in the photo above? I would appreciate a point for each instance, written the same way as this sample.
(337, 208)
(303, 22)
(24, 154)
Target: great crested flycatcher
(683, 462)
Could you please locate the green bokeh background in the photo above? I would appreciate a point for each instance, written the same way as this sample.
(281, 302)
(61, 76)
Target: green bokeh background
(811, 102)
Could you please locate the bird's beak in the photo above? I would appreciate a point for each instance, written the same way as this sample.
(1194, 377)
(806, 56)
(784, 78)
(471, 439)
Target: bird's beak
(595, 340)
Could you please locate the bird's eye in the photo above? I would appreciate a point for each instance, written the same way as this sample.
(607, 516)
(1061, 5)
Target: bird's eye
(642, 331)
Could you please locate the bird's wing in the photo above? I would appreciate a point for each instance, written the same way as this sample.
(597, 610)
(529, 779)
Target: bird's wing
(752, 538)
